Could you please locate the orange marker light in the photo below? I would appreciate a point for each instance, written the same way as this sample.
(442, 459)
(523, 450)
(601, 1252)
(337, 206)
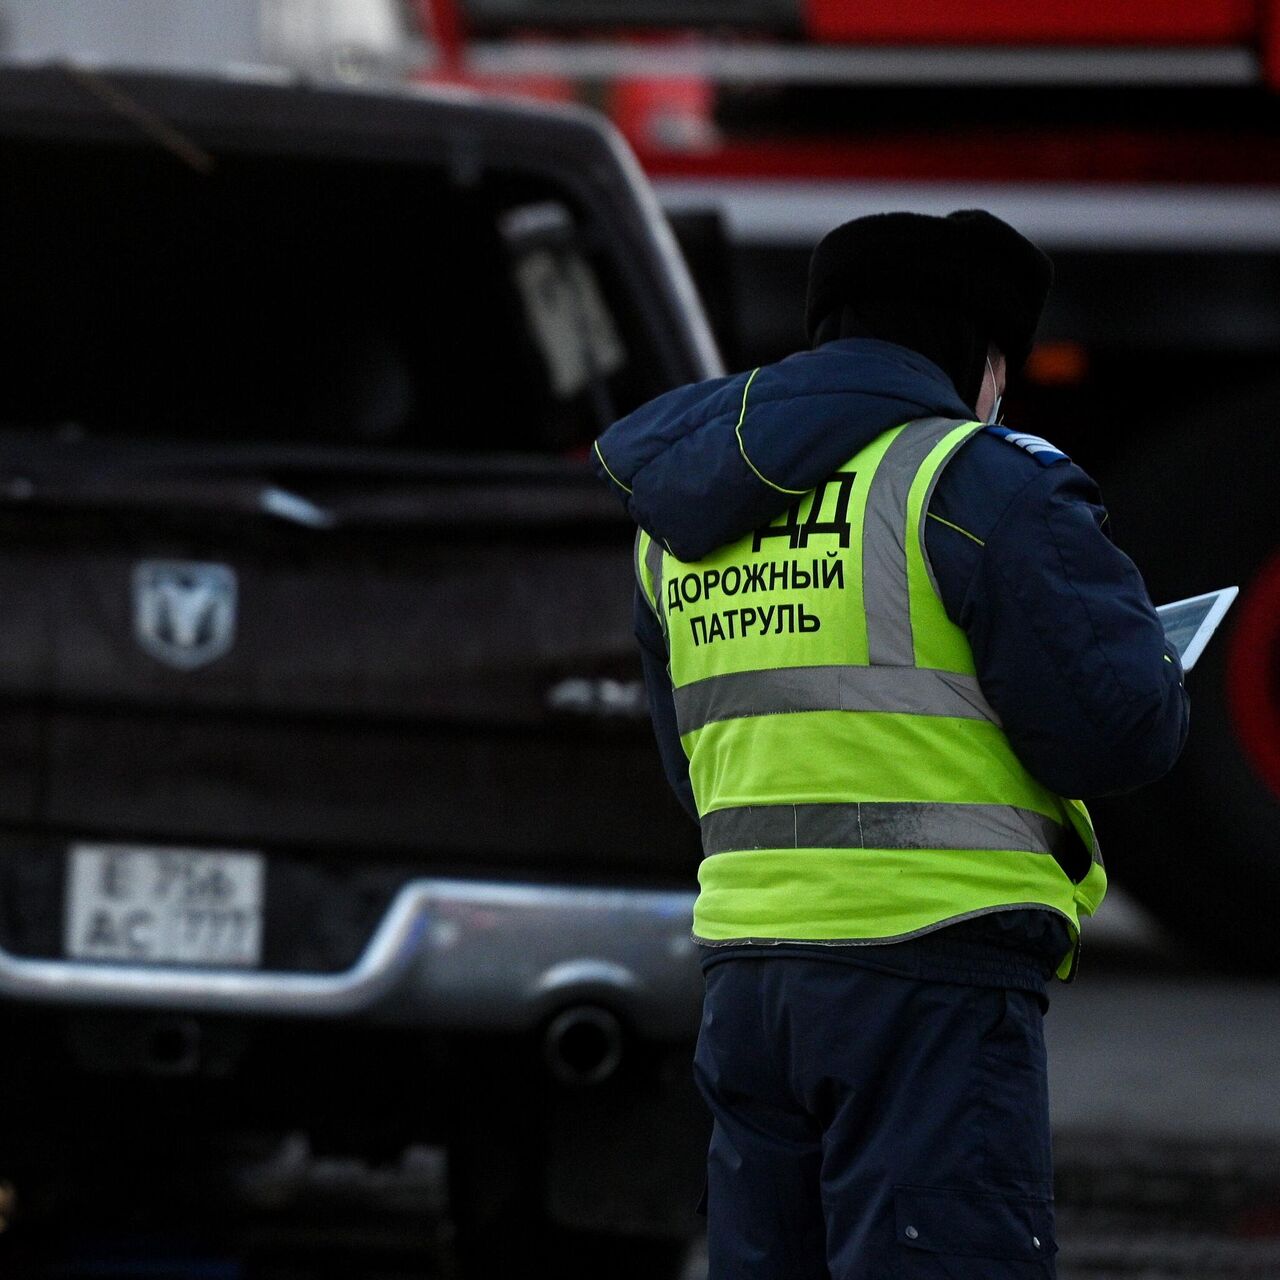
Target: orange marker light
(1057, 364)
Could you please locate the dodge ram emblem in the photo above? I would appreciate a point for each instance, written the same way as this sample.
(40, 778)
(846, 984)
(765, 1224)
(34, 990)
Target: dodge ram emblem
(184, 612)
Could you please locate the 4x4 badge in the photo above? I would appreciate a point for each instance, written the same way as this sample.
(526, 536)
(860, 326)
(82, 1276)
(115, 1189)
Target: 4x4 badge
(184, 612)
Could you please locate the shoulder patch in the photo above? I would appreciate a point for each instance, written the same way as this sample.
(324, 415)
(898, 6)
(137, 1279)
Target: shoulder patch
(1038, 447)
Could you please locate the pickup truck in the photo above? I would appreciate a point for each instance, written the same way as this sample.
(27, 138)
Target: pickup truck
(329, 809)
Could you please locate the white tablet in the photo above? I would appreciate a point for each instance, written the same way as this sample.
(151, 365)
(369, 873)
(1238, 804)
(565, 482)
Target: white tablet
(1188, 624)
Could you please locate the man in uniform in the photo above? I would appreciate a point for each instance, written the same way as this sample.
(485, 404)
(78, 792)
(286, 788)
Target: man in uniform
(888, 643)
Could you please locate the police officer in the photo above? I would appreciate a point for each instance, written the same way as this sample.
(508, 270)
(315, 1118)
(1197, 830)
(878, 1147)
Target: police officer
(888, 644)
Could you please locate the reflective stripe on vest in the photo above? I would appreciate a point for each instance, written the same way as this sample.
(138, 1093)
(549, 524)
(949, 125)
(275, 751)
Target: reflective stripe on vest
(884, 552)
(785, 689)
(996, 827)
(648, 556)
(653, 561)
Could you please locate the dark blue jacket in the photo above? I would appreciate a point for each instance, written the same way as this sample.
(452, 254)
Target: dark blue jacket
(1068, 647)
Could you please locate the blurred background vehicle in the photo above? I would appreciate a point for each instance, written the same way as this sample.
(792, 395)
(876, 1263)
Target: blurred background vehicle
(328, 801)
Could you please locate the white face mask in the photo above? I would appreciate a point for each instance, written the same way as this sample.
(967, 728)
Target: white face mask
(994, 416)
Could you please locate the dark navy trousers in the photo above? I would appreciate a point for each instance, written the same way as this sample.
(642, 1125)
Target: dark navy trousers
(869, 1126)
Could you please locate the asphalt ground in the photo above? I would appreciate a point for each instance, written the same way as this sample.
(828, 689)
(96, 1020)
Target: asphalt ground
(1165, 1098)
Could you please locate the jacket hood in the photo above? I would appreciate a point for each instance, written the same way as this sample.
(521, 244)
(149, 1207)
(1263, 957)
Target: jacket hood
(703, 465)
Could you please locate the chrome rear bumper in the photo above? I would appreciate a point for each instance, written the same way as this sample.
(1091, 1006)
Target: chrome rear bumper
(448, 954)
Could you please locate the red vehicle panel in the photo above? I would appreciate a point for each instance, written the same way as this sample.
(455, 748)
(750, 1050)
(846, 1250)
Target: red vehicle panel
(1016, 22)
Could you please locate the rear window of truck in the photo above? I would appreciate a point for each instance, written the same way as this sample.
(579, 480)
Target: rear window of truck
(287, 299)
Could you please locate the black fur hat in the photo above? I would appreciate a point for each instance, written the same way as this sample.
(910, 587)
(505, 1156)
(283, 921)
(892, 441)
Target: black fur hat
(969, 263)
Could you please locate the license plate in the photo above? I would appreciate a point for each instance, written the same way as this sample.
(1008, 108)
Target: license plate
(163, 905)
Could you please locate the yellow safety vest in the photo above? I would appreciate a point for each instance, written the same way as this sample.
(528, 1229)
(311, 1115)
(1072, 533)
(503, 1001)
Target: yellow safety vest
(853, 783)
